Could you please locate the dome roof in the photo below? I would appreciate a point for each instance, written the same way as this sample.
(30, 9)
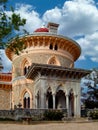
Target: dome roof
(42, 29)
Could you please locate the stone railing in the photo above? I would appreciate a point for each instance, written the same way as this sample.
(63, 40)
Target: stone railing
(23, 113)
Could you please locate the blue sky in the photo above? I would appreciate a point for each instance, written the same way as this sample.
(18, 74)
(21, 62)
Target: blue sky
(39, 5)
(78, 19)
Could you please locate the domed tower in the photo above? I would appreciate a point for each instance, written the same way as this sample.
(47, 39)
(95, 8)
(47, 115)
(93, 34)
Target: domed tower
(45, 46)
(43, 73)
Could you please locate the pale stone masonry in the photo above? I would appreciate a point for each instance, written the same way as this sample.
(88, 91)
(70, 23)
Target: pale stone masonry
(5, 91)
(4, 99)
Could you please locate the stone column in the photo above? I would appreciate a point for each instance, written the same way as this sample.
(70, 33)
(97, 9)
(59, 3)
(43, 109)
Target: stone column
(75, 105)
(36, 101)
(42, 94)
(67, 104)
(78, 106)
(53, 100)
(46, 103)
(42, 100)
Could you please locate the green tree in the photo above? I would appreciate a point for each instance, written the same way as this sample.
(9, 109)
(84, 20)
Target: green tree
(8, 26)
(91, 100)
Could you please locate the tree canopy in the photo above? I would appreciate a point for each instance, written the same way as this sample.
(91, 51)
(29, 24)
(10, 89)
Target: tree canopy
(8, 26)
(91, 100)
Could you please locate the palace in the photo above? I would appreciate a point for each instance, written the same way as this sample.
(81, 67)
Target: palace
(43, 74)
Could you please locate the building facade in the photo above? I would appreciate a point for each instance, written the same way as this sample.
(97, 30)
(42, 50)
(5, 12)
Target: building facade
(43, 74)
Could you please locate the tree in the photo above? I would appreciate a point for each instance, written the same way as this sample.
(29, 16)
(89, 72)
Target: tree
(91, 100)
(8, 26)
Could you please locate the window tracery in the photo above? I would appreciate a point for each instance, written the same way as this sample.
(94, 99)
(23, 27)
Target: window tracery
(53, 61)
(55, 47)
(25, 66)
(26, 100)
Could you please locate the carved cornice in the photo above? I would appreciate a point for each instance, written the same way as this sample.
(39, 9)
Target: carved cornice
(45, 39)
(55, 71)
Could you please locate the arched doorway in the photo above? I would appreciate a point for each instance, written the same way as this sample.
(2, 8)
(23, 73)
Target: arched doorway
(60, 99)
(71, 103)
(49, 98)
(26, 100)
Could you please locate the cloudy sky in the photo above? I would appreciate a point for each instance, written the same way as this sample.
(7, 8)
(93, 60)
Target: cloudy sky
(78, 20)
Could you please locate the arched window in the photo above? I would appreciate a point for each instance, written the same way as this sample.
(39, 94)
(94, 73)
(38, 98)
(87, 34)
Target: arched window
(50, 98)
(25, 65)
(60, 99)
(26, 100)
(51, 47)
(28, 67)
(25, 70)
(53, 61)
(55, 47)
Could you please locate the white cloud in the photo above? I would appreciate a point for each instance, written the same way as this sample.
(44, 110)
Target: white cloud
(5, 61)
(78, 18)
(53, 15)
(89, 45)
(33, 19)
(75, 17)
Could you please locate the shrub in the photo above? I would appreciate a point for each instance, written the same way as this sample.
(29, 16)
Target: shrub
(6, 119)
(91, 104)
(93, 114)
(53, 115)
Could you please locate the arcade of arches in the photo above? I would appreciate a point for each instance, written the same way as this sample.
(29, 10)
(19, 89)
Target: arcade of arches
(57, 100)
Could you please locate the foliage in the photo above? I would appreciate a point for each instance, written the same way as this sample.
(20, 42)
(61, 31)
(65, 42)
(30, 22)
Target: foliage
(17, 45)
(6, 119)
(8, 26)
(91, 100)
(93, 114)
(2, 1)
(53, 115)
(91, 104)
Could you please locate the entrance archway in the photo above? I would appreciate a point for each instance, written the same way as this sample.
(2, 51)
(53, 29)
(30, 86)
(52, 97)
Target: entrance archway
(60, 99)
(49, 98)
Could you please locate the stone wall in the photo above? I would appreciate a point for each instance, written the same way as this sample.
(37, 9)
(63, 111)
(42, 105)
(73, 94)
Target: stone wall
(5, 99)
